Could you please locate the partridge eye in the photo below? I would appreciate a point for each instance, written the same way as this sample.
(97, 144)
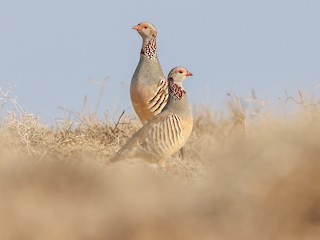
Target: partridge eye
(180, 71)
(145, 27)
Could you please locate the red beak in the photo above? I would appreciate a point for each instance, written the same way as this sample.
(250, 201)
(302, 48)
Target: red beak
(137, 27)
(189, 74)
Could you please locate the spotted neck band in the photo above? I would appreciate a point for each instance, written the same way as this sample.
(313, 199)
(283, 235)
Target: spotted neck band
(150, 49)
(175, 91)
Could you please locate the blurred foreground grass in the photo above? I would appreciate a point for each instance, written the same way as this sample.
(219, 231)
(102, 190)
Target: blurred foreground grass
(241, 178)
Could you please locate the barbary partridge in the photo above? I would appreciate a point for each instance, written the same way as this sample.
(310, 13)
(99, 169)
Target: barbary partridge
(149, 87)
(167, 132)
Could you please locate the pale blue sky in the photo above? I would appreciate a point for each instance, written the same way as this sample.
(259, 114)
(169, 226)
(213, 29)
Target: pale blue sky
(51, 49)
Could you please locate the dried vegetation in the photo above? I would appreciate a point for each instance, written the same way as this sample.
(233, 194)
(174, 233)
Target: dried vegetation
(247, 174)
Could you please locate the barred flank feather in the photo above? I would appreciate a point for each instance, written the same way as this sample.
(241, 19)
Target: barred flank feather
(159, 101)
(165, 136)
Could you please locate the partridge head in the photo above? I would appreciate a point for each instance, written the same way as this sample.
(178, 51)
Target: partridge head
(175, 78)
(148, 33)
(178, 75)
(146, 30)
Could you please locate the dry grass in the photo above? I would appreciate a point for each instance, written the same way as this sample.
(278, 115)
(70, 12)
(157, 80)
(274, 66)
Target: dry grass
(243, 178)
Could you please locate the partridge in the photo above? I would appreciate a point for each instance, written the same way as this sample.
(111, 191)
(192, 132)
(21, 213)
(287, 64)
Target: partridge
(149, 87)
(167, 132)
